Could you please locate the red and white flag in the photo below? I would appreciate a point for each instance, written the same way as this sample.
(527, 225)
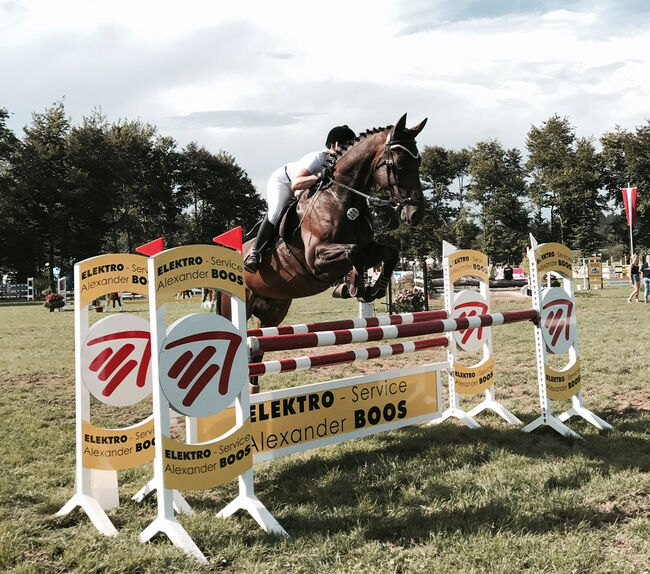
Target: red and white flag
(629, 201)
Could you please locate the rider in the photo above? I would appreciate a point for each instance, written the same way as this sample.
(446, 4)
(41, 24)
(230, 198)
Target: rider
(294, 177)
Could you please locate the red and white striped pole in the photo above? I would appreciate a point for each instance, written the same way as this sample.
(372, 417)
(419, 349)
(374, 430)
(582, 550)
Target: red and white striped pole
(360, 335)
(399, 319)
(342, 357)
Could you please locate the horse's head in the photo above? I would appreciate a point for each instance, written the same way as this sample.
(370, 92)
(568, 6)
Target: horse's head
(397, 169)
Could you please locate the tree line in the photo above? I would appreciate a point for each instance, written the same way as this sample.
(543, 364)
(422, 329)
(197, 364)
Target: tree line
(568, 189)
(68, 192)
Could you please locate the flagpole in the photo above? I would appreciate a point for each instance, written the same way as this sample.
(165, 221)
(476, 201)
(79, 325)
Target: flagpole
(631, 244)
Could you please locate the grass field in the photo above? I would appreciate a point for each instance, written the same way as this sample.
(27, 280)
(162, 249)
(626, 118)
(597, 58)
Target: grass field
(423, 499)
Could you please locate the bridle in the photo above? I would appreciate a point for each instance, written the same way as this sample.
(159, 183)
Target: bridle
(387, 159)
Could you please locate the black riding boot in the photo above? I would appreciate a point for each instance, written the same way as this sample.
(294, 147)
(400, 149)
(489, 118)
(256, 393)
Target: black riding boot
(263, 236)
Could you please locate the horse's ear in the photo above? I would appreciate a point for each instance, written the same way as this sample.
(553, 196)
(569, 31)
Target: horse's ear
(417, 129)
(399, 128)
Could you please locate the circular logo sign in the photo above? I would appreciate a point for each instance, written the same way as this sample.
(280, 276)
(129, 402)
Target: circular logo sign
(203, 364)
(470, 303)
(115, 360)
(557, 320)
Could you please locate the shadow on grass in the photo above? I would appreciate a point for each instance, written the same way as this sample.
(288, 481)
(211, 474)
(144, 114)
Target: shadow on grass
(405, 485)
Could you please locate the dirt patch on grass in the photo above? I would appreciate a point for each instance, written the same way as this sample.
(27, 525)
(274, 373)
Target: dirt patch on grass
(636, 400)
(631, 504)
(508, 296)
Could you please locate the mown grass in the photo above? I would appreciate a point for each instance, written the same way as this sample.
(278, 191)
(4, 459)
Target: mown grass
(422, 499)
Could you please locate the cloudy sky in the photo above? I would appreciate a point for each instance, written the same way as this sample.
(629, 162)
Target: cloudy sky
(266, 80)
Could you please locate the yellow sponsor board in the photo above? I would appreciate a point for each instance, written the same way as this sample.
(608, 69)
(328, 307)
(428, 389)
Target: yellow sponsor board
(595, 267)
(554, 257)
(192, 266)
(472, 380)
(338, 413)
(561, 385)
(201, 466)
(468, 262)
(117, 449)
(112, 273)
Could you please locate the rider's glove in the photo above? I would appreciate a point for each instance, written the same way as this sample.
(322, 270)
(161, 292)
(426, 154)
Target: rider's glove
(326, 174)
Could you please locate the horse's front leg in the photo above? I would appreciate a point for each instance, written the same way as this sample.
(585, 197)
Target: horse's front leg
(331, 261)
(388, 256)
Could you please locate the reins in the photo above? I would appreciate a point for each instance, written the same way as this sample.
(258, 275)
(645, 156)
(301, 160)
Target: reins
(387, 160)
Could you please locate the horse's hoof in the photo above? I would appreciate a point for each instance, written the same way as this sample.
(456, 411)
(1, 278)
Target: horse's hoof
(253, 389)
(341, 291)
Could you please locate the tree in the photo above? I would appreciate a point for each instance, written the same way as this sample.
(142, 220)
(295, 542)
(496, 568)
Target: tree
(216, 193)
(498, 187)
(92, 167)
(41, 193)
(566, 178)
(443, 174)
(626, 159)
(584, 210)
(8, 145)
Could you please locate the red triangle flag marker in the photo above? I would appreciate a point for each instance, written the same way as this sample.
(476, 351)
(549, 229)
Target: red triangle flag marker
(152, 248)
(232, 239)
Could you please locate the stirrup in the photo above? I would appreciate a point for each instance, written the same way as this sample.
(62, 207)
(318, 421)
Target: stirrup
(252, 261)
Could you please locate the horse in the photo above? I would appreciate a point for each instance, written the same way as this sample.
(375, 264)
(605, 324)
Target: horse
(327, 234)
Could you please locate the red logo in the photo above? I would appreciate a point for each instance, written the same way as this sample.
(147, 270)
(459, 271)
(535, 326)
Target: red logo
(114, 363)
(477, 308)
(558, 320)
(195, 371)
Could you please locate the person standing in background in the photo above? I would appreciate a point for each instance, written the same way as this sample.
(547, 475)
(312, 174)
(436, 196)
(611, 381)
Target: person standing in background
(645, 271)
(634, 278)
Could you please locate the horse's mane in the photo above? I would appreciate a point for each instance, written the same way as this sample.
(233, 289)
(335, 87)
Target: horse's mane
(331, 161)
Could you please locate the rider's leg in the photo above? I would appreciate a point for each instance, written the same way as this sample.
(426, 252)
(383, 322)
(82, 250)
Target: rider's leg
(264, 234)
(278, 193)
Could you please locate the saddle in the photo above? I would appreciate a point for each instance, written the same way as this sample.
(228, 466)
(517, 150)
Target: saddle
(285, 230)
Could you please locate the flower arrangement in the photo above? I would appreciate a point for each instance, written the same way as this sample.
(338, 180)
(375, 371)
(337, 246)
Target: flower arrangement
(409, 300)
(54, 301)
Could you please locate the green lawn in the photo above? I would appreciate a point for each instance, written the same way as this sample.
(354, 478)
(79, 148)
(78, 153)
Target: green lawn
(422, 499)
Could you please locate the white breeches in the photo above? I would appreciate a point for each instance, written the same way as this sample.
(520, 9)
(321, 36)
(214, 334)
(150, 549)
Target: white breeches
(278, 194)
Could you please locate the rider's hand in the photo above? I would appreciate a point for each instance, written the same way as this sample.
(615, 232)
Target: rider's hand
(326, 174)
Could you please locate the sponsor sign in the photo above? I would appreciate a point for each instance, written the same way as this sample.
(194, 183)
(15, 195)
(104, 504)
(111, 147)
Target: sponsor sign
(112, 273)
(470, 304)
(554, 257)
(558, 320)
(199, 466)
(115, 360)
(117, 449)
(203, 364)
(294, 420)
(562, 385)
(198, 266)
(473, 380)
(468, 262)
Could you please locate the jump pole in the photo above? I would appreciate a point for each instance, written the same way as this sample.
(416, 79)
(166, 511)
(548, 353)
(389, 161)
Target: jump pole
(362, 322)
(479, 377)
(360, 335)
(556, 333)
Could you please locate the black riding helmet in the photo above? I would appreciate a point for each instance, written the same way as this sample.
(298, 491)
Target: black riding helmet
(341, 134)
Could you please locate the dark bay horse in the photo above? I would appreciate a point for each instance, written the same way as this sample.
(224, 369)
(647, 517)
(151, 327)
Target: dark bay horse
(329, 233)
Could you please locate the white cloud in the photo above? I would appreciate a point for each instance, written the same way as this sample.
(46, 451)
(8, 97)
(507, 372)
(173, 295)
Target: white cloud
(265, 81)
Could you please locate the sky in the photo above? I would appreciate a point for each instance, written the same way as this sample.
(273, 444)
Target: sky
(265, 81)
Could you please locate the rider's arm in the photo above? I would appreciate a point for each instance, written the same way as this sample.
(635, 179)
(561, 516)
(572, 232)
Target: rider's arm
(309, 175)
(304, 180)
